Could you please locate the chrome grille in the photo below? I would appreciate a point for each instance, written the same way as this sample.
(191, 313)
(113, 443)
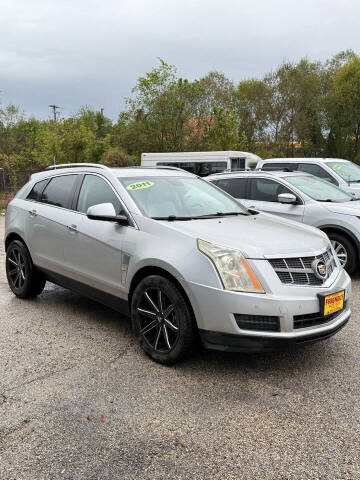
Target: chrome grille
(298, 270)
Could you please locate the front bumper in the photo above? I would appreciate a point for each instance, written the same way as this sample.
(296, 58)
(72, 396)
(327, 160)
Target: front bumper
(215, 311)
(245, 343)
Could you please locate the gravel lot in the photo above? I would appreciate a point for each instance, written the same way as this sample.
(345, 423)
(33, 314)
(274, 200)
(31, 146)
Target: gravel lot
(78, 400)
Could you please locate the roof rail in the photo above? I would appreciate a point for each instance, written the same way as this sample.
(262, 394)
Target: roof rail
(227, 171)
(158, 167)
(280, 169)
(72, 165)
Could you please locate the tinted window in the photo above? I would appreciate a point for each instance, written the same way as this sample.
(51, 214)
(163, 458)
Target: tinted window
(238, 164)
(95, 190)
(36, 191)
(199, 168)
(316, 170)
(233, 186)
(59, 191)
(279, 166)
(266, 190)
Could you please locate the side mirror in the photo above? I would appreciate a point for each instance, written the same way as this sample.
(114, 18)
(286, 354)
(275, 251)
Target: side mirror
(287, 198)
(106, 212)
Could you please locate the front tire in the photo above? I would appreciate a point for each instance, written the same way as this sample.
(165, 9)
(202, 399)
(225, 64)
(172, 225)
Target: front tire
(162, 320)
(24, 279)
(346, 251)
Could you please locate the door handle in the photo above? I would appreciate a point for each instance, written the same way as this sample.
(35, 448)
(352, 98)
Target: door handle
(72, 228)
(33, 213)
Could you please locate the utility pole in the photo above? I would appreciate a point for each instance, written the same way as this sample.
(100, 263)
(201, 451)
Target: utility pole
(54, 109)
(102, 112)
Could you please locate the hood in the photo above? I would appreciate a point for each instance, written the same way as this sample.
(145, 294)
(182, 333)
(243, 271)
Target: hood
(344, 208)
(257, 236)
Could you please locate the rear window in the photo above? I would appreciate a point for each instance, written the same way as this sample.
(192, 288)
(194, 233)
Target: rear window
(37, 190)
(59, 191)
(280, 166)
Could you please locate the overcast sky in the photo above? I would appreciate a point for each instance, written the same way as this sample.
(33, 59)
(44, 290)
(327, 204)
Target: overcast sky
(90, 52)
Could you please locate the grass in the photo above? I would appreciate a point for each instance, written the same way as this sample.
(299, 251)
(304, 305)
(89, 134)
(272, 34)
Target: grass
(4, 197)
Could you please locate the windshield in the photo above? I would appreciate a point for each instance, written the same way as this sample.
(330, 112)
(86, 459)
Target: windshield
(180, 198)
(318, 189)
(348, 171)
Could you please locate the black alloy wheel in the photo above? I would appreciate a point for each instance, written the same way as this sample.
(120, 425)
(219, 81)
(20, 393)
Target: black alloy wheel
(162, 320)
(23, 278)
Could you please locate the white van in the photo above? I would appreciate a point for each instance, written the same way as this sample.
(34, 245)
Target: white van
(202, 163)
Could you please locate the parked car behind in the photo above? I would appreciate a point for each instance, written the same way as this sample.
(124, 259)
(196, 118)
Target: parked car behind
(303, 198)
(342, 173)
(163, 245)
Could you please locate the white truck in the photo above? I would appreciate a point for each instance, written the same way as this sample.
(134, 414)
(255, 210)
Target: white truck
(202, 163)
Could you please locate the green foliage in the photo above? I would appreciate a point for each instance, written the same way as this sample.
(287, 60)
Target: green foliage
(302, 109)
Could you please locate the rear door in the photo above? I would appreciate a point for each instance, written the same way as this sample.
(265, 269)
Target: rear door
(263, 193)
(49, 204)
(236, 187)
(93, 252)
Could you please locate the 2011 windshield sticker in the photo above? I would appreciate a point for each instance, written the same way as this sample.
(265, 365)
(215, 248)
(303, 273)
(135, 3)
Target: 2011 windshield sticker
(140, 185)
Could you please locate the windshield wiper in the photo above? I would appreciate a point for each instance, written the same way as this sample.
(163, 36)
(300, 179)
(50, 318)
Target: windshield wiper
(219, 214)
(172, 218)
(354, 181)
(327, 200)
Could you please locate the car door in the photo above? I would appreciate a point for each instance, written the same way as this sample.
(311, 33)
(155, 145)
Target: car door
(236, 187)
(93, 250)
(263, 193)
(49, 204)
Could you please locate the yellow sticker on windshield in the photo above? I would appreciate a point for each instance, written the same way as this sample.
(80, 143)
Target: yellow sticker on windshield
(140, 185)
(337, 167)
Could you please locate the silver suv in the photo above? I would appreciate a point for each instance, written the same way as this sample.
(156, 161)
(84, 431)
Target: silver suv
(179, 255)
(342, 173)
(303, 198)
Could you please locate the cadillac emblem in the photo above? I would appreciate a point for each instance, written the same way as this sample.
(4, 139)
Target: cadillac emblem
(320, 269)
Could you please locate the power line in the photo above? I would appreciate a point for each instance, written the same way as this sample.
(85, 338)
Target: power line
(54, 109)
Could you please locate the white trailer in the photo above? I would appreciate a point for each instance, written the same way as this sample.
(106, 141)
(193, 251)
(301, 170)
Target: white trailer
(202, 163)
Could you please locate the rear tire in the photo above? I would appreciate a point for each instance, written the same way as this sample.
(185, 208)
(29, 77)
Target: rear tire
(162, 320)
(346, 251)
(24, 279)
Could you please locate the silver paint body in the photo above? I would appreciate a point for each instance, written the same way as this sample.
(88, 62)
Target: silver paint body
(352, 188)
(344, 216)
(106, 255)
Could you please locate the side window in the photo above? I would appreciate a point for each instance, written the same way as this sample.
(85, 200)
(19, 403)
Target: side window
(59, 191)
(238, 164)
(235, 187)
(265, 190)
(317, 171)
(95, 190)
(203, 169)
(37, 190)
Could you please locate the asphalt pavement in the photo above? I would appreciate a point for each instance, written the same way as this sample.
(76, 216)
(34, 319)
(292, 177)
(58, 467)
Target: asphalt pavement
(79, 400)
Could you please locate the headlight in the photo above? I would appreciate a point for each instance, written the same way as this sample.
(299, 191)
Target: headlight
(233, 268)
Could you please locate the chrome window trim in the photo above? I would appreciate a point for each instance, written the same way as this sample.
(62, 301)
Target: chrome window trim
(134, 225)
(274, 179)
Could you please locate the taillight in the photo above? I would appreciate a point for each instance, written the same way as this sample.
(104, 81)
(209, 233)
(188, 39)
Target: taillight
(7, 203)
